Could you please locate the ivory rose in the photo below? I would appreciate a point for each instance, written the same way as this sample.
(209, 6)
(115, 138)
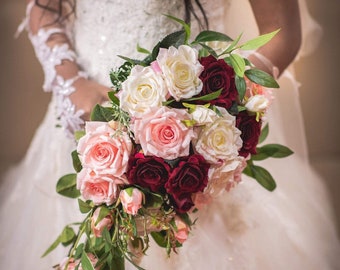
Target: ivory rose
(220, 140)
(161, 133)
(181, 231)
(131, 199)
(203, 115)
(99, 188)
(142, 90)
(257, 103)
(103, 149)
(181, 70)
(97, 226)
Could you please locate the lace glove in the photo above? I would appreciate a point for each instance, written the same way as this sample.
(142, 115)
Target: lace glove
(74, 94)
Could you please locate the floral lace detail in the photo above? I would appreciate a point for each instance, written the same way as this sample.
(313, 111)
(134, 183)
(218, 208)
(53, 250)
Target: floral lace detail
(49, 57)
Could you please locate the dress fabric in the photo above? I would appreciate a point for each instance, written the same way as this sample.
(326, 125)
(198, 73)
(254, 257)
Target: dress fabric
(246, 228)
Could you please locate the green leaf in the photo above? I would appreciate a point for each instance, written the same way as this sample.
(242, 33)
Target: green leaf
(84, 207)
(76, 161)
(262, 78)
(113, 98)
(208, 97)
(174, 39)
(206, 36)
(272, 150)
(85, 262)
(67, 236)
(103, 114)
(241, 86)
(78, 134)
(238, 64)
(261, 175)
(232, 46)
(209, 49)
(264, 133)
(160, 238)
(186, 27)
(259, 41)
(52, 247)
(104, 211)
(132, 61)
(66, 186)
(142, 50)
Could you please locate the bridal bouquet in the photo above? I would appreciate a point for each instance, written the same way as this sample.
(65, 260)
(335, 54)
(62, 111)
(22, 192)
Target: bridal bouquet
(183, 125)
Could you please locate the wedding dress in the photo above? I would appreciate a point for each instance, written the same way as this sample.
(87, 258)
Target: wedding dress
(246, 228)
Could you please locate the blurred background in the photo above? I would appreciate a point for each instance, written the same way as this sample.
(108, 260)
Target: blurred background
(23, 103)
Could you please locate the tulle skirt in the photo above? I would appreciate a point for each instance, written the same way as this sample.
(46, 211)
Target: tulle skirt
(246, 228)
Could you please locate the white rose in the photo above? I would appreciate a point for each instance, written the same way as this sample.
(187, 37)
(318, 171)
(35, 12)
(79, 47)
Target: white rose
(219, 141)
(181, 70)
(203, 115)
(257, 103)
(144, 89)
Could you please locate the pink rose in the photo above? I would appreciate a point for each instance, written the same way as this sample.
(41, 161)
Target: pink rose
(98, 226)
(104, 149)
(181, 231)
(100, 188)
(72, 264)
(131, 199)
(162, 133)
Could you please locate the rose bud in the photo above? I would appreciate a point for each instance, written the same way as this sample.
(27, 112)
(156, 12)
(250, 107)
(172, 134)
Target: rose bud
(97, 227)
(131, 199)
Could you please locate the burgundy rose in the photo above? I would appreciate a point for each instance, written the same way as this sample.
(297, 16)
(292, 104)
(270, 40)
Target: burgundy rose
(183, 202)
(189, 176)
(250, 132)
(217, 74)
(149, 172)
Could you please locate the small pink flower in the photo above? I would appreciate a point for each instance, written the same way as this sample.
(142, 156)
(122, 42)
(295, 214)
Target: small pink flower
(104, 149)
(71, 264)
(100, 188)
(131, 199)
(98, 226)
(181, 231)
(162, 133)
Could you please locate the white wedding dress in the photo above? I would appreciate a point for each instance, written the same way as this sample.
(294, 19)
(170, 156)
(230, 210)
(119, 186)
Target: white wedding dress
(246, 228)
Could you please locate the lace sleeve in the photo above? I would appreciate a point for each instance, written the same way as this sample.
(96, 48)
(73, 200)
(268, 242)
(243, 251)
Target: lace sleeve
(53, 48)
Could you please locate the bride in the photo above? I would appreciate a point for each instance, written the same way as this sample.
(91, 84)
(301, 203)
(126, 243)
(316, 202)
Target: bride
(249, 228)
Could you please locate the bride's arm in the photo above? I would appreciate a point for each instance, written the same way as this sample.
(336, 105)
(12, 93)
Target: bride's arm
(74, 93)
(281, 50)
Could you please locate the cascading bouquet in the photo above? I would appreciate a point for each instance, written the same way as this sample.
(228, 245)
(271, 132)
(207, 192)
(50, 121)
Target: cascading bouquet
(183, 124)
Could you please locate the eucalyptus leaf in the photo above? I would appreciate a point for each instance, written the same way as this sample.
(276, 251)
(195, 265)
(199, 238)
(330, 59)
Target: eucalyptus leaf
(86, 262)
(206, 36)
(66, 186)
(261, 175)
(264, 133)
(259, 41)
(260, 77)
(76, 161)
(238, 64)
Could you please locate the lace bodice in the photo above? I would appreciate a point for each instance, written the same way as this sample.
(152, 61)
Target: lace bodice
(107, 28)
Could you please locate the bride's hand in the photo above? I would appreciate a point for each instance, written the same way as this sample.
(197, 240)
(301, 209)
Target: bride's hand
(88, 93)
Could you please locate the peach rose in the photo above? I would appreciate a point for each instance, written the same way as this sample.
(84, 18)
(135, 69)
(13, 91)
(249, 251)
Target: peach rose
(104, 149)
(181, 231)
(162, 133)
(97, 227)
(181, 70)
(100, 188)
(131, 199)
